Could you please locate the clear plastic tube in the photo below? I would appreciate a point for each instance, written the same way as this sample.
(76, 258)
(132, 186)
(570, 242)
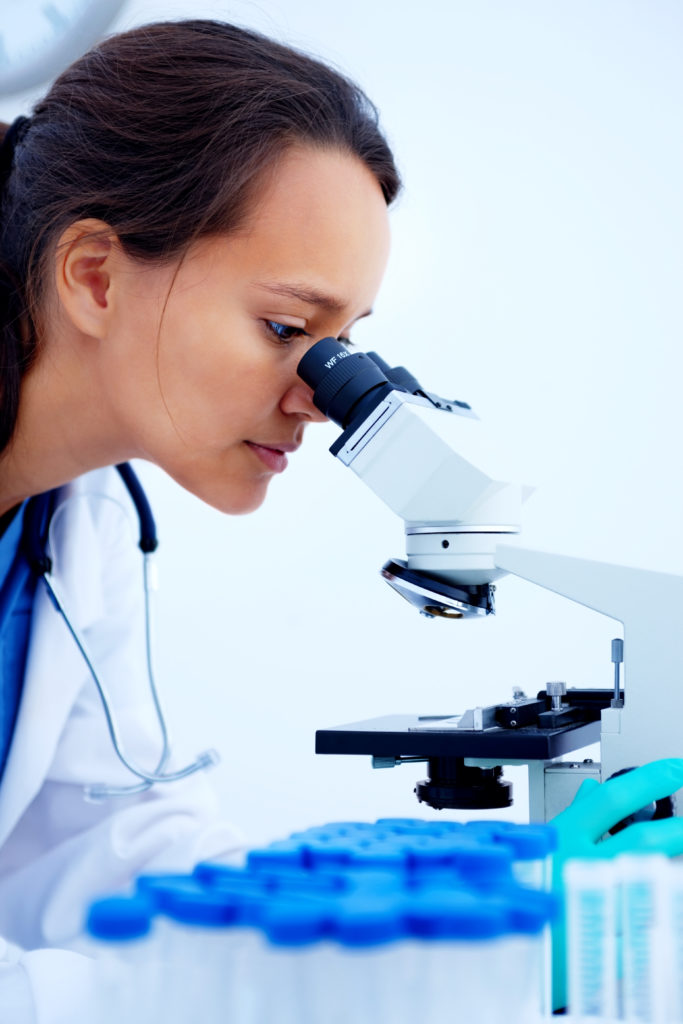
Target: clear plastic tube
(366, 989)
(675, 920)
(292, 958)
(591, 908)
(367, 930)
(121, 937)
(646, 945)
(213, 974)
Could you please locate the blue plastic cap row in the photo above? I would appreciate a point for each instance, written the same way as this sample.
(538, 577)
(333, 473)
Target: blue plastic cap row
(348, 867)
(470, 856)
(400, 844)
(365, 917)
(436, 916)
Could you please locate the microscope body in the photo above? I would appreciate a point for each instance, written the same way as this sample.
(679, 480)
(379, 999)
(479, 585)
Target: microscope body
(647, 724)
(426, 459)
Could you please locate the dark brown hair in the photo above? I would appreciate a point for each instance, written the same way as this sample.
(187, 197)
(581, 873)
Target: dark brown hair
(164, 133)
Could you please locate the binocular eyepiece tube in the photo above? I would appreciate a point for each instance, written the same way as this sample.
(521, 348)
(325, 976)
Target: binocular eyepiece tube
(346, 385)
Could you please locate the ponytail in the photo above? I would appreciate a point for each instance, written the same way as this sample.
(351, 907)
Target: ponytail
(15, 354)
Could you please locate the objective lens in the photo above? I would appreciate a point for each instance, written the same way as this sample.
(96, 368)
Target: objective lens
(346, 385)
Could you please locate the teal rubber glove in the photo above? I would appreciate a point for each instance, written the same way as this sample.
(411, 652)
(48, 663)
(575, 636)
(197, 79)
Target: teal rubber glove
(598, 808)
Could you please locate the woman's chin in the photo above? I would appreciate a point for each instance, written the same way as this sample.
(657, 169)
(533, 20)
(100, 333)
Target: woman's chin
(233, 499)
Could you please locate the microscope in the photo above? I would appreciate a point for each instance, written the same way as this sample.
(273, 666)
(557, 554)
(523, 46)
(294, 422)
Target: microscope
(421, 455)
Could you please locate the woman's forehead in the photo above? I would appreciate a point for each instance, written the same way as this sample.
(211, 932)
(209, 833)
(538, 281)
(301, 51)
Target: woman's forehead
(319, 233)
(324, 212)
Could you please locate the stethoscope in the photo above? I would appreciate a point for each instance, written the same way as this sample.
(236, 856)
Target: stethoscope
(35, 544)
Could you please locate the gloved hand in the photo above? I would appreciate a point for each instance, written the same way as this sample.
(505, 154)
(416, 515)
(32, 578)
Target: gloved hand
(598, 808)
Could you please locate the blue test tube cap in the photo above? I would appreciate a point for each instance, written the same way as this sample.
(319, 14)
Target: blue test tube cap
(349, 828)
(528, 842)
(445, 829)
(457, 916)
(311, 884)
(413, 826)
(154, 887)
(430, 851)
(324, 832)
(335, 830)
(380, 856)
(485, 827)
(286, 853)
(328, 853)
(483, 862)
(401, 823)
(380, 880)
(368, 919)
(120, 918)
(290, 923)
(312, 833)
(208, 908)
(530, 910)
(186, 900)
(224, 876)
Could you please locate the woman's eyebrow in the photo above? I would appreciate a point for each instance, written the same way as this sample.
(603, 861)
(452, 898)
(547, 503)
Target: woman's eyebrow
(312, 296)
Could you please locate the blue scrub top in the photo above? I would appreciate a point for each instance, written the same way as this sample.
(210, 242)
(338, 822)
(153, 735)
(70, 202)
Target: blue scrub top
(17, 590)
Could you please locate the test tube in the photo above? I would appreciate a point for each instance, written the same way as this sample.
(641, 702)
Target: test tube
(646, 939)
(532, 847)
(119, 930)
(591, 917)
(532, 913)
(675, 922)
(462, 962)
(483, 866)
(206, 941)
(294, 964)
(366, 961)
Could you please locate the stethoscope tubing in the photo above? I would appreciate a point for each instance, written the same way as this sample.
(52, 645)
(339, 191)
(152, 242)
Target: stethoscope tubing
(37, 518)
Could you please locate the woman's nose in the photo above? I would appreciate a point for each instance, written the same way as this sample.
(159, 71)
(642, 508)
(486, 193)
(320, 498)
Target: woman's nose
(298, 401)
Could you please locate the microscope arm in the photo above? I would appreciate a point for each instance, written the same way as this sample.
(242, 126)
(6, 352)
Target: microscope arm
(650, 606)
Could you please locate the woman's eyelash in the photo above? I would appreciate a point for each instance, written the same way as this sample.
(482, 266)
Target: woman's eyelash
(285, 332)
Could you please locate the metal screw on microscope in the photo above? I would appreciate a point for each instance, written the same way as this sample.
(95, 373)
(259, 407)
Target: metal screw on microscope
(556, 692)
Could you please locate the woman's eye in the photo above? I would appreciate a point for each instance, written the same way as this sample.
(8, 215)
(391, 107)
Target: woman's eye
(284, 332)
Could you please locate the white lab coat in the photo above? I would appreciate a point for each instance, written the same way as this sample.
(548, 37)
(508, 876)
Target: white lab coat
(57, 851)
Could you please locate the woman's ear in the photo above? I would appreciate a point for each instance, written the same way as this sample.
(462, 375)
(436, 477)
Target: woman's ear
(86, 275)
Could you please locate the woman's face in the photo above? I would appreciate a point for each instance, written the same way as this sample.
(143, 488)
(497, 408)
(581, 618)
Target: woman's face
(202, 373)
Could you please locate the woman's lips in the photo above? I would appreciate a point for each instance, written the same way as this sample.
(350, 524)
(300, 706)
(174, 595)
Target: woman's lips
(274, 458)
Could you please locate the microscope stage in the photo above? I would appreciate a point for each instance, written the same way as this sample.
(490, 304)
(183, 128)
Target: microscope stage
(420, 736)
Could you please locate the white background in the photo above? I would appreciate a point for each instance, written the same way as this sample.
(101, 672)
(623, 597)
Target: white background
(536, 273)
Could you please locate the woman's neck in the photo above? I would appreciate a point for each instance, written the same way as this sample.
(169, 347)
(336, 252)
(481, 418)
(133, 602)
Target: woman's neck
(63, 430)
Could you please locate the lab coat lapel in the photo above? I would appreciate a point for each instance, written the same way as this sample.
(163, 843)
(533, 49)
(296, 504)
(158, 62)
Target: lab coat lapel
(55, 670)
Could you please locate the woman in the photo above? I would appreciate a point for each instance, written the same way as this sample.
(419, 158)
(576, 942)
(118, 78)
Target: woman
(189, 209)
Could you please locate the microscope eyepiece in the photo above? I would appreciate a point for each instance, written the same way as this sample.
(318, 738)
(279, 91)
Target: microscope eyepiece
(346, 385)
